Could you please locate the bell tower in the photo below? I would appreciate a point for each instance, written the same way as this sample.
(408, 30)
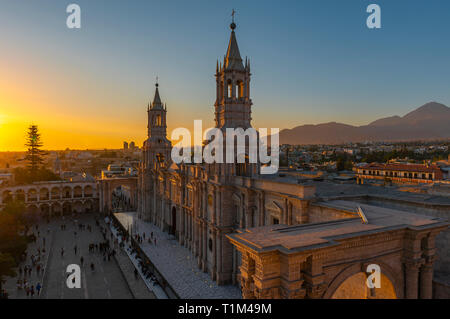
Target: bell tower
(233, 103)
(157, 147)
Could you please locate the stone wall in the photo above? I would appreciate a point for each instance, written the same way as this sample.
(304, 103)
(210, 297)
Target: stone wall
(442, 264)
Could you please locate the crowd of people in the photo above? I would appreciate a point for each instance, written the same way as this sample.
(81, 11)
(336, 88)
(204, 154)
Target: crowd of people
(35, 263)
(144, 267)
(24, 280)
(104, 248)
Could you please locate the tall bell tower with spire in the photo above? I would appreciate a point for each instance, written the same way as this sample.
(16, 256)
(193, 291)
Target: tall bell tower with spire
(233, 103)
(157, 147)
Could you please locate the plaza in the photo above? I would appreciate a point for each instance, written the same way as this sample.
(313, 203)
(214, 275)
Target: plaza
(176, 263)
(106, 281)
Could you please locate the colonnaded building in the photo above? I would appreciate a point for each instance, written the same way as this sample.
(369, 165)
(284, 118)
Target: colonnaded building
(54, 198)
(273, 234)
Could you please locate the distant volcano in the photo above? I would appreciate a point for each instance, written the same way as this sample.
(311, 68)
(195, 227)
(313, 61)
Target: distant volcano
(430, 121)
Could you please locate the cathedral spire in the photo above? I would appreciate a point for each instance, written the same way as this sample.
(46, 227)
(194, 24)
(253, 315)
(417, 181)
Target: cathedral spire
(233, 58)
(157, 99)
(233, 102)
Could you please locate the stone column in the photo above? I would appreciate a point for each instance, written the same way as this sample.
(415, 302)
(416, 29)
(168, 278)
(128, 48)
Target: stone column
(247, 273)
(412, 278)
(314, 279)
(153, 213)
(291, 277)
(289, 213)
(426, 279)
(234, 265)
(214, 258)
(261, 209)
(181, 229)
(205, 247)
(219, 213)
(426, 271)
(219, 258)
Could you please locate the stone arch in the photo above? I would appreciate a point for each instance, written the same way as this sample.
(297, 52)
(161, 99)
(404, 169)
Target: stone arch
(355, 273)
(32, 195)
(239, 89)
(210, 199)
(20, 195)
(56, 193)
(229, 88)
(45, 210)
(77, 207)
(7, 196)
(77, 192)
(67, 192)
(66, 208)
(56, 209)
(88, 206)
(44, 194)
(88, 191)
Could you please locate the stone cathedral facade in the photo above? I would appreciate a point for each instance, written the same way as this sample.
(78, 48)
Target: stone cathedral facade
(271, 233)
(201, 203)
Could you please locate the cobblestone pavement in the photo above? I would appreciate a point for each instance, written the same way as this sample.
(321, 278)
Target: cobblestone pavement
(176, 263)
(105, 282)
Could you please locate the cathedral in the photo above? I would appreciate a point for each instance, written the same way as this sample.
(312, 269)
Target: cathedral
(201, 203)
(273, 234)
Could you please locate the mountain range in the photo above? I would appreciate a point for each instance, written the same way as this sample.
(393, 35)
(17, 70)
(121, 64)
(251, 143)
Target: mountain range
(428, 122)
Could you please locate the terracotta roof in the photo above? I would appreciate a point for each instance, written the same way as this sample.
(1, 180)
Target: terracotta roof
(402, 167)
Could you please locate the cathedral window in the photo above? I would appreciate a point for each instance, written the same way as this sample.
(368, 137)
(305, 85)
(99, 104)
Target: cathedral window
(230, 89)
(160, 158)
(210, 200)
(158, 120)
(240, 89)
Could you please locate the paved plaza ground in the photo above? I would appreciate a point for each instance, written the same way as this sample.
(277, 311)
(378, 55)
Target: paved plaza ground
(105, 282)
(176, 263)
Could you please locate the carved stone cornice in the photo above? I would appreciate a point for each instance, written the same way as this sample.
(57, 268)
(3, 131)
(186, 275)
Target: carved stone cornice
(315, 291)
(413, 264)
(292, 294)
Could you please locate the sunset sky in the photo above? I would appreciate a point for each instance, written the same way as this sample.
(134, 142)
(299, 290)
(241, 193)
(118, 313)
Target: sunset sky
(312, 61)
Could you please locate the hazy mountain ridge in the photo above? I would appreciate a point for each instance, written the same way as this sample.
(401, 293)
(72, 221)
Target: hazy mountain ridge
(430, 121)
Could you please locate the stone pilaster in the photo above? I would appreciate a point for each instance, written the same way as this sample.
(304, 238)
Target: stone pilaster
(412, 278)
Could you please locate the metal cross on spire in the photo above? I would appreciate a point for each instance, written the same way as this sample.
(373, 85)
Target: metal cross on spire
(233, 12)
(156, 80)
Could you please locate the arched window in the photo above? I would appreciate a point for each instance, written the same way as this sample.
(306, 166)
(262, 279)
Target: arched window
(230, 89)
(210, 200)
(160, 158)
(158, 120)
(240, 89)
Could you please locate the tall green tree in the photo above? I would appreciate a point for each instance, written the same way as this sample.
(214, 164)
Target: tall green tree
(34, 153)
